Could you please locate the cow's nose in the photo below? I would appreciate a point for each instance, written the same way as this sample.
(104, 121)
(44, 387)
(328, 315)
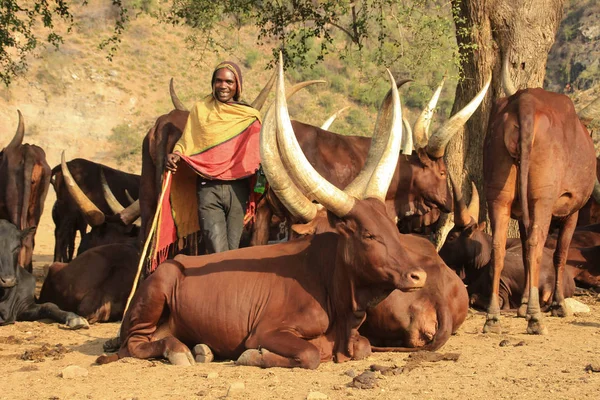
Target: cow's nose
(416, 279)
(8, 282)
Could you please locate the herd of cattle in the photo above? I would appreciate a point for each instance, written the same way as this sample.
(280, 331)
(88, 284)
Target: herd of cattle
(356, 275)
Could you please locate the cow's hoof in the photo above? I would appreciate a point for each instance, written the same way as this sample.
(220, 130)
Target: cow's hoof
(560, 309)
(492, 325)
(184, 359)
(74, 321)
(252, 357)
(203, 353)
(522, 311)
(112, 345)
(536, 327)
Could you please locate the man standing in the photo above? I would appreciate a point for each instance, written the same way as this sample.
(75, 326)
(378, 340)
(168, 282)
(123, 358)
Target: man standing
(220, 143)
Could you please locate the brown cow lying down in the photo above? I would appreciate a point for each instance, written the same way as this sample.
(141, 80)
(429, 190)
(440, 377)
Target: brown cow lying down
(291, 304)
(420, 320)
(468, 249)
(95, 284)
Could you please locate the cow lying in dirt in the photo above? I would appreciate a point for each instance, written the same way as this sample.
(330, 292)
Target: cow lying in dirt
(17, 286)
(95, 284)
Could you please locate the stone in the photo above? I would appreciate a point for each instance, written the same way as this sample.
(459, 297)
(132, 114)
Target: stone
(235, 388)
(576, 306)
(212, 375)
(316, 396)
(74, 371)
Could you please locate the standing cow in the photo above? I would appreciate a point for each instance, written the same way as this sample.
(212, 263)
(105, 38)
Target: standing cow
(539, 164)
(24, 181)
(292, 304)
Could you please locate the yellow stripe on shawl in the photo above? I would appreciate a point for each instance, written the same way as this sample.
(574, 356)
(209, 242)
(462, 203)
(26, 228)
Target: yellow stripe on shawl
(211, 123)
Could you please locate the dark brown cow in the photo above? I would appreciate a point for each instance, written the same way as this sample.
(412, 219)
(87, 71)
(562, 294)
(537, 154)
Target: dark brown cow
(419, 186)
(583, 257)
(590, 212)
(468, 251)
(538, 164)
(17, 286)
(119, 227)
(68, 219)
(291, 304)
(95, 284)
(24, 181)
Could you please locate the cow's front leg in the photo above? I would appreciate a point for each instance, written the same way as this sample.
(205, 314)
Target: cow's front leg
(50, 310)
(279, 349)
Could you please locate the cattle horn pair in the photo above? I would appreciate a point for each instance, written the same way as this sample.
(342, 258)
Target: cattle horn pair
(310, 183)
(129, 214)
(465, 215)
(17, 140)
(92, 214)
(507, 83)
(435, 144)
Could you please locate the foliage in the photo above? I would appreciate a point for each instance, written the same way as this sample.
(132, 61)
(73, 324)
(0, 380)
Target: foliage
(126, 138)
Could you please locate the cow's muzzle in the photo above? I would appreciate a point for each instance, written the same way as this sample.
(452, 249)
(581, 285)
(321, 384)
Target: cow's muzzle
(8, 281)
(412, 280)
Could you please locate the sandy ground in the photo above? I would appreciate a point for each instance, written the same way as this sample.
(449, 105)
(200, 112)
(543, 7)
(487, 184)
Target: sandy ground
(35, 354)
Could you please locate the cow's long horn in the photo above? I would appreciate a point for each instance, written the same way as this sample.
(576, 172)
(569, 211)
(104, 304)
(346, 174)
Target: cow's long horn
(114, 204)
(129, 198)
(176, 102)
(130, 214)
(381, 139)
(382, 175)
(421, 131)
(17, 140)
(436, 146)
(92, 214)
(445, 225)
(462, 217)
(590, 112)
(473, 207)
(260, 100)
(333, 117)
(507, 83)
(279, 181)
(407, 145)
(302, 172)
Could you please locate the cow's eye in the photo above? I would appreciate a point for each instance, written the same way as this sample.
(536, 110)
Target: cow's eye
(443, 173)
(368, 235)
(16, 249)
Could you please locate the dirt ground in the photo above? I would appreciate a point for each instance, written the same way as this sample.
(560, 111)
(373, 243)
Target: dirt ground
(35, 354)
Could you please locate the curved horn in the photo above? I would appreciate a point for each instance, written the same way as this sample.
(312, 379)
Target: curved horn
(507, 83)
(380, 142)
(473, 207)
(176, 102)
(17, 140)
(333, 117)
(438, 141)
(130, 214)
(421, 130)
(590, 112)
(461, 214)
(407, 145)
(302, 172)
(260, 100)
(382, 175)
(92, 214)
(279, 181)
(110, 198)
(445, 225)
(129, 198)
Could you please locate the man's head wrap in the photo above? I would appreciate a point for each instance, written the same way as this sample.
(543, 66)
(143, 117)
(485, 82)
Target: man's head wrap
(233, 67)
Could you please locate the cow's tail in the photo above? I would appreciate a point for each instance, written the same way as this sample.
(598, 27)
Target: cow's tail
(526, 136)
(442, 335)
(106, 359)
(27, 180)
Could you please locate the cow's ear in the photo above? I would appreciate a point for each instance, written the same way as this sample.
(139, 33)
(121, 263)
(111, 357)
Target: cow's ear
(304, 229)
(424, 157)
(26, 232)
(343, 226)
(470, 230)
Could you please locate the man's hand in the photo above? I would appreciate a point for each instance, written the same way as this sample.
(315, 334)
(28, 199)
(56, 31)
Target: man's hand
(172, 160)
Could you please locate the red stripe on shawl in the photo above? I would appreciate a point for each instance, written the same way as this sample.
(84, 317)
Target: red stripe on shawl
(236, 158)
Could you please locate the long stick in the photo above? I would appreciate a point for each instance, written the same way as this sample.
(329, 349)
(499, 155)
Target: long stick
(148, 240)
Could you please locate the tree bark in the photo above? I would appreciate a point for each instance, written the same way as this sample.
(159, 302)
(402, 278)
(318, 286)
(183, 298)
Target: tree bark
(524, 30)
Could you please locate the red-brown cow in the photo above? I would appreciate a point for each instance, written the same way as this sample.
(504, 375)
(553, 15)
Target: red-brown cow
(68, 219)
(419, 189)
(292, 304)
(539, 164)
(24, 181)
(95, 284)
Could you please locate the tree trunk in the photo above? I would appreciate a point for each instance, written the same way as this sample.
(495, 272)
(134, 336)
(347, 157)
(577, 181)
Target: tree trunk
(522, 29)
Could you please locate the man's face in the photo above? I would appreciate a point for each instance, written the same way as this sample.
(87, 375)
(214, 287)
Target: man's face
(225, 85)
